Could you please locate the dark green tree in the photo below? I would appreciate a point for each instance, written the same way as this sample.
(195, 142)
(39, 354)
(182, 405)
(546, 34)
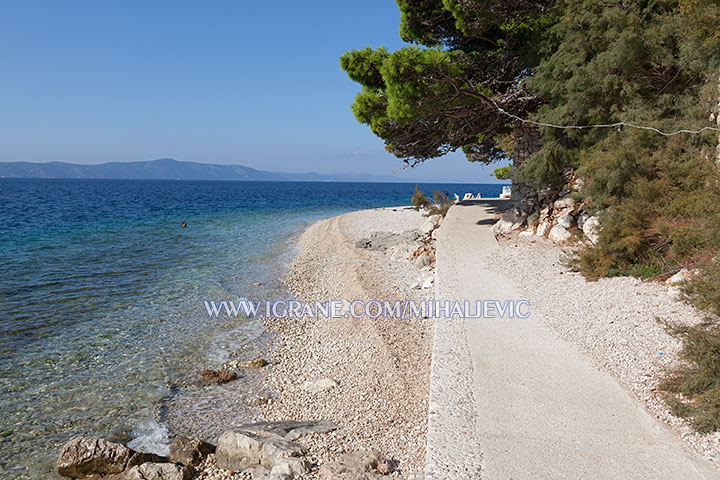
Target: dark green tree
(441, 93)
(635, 61)
(647, 63)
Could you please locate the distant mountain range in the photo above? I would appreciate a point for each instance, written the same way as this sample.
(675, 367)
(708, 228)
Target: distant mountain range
(169, 169)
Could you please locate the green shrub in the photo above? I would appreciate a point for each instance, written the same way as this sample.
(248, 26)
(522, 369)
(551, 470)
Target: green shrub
(419, 200)
(704, 290)
(695, 389)
(533, 219)
(439, 205)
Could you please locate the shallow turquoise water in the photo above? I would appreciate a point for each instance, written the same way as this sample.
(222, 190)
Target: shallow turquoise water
(101, 294)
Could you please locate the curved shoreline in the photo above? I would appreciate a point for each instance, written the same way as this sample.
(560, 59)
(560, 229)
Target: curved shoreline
(381, 366)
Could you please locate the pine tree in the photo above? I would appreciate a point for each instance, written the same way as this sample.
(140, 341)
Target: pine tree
(440, 94)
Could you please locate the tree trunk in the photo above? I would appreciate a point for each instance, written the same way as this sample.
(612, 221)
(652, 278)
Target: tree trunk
(527, 141)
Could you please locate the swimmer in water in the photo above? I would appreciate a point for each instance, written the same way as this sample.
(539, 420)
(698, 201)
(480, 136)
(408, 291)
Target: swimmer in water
(184, 225)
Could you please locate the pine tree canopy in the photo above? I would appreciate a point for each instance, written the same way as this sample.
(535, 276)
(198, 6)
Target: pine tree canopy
(436, 96)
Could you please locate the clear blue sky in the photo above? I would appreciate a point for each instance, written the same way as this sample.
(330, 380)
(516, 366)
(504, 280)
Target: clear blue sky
(230, 82)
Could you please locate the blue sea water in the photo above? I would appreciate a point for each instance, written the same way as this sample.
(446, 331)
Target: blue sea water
(101, 290)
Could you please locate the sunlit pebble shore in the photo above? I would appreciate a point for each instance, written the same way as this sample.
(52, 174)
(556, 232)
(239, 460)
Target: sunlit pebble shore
(381, 366)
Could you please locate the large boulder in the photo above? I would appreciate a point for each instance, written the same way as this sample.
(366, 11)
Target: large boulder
(567, 202)
(427, 227)
(86, 457)
(543, 228)
(581, 220)
(591, 229)
(559, 234)
(365, 464)
(566, 220)
(190, 451)
(432, 222)
(546, 194)
(436, 219)
(241, 451)
(159, 471)
(89, 457)
(511, 220)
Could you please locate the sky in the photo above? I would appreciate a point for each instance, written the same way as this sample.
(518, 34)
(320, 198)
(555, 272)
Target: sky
(229, 82)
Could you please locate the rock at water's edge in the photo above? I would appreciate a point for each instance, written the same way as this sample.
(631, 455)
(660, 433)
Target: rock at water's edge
(83, 457)
(88, 457)
(240, 451)
(218, 376)
(257, 363)
(190, 451)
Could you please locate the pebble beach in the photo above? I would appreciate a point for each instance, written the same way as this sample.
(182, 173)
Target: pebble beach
(373, 374)
(381, 366)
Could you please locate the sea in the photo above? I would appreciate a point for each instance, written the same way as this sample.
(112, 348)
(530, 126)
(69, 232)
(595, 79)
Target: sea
(103, 331)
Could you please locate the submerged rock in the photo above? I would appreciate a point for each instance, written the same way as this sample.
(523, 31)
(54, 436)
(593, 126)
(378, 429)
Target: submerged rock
(218, 376)
(190, 451)
(256, 363)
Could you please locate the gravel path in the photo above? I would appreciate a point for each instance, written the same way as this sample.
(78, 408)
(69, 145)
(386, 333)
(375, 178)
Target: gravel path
(540, 409)
(613, 321)
(381, 365)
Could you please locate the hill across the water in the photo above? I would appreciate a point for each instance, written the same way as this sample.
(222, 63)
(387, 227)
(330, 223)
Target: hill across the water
(170, 169)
